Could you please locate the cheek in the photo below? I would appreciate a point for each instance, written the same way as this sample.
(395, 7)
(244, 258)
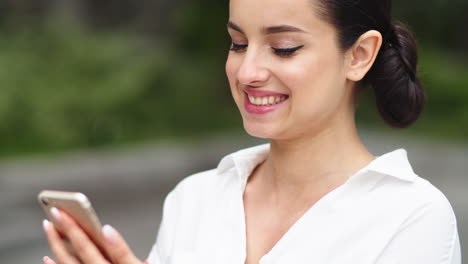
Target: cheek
(303, 76)
(232, 66)
(314, 83)
(300, 76)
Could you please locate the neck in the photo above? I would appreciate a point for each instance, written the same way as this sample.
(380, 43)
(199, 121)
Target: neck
(317, 163)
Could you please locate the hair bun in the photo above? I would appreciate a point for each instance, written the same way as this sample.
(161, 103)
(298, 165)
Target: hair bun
(398, 91)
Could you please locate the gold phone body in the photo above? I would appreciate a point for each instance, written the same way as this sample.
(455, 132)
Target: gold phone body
(77, 206)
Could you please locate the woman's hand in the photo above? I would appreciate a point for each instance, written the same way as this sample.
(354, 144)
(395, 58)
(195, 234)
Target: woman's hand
(87, 252)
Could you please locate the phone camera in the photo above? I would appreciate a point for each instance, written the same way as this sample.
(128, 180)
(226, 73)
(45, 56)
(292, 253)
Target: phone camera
(45, 202)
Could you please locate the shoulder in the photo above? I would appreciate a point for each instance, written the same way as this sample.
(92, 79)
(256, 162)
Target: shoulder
(414, 201)
(429, 200)
(399, 190)
(196, 184)
(231, 170)
(419, 214)
(401, 182)
(417, 193)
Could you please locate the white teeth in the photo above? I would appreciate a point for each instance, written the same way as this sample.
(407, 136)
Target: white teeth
(258, 101)
(269, 100)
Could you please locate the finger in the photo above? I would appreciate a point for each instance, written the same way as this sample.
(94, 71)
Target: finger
(84, 247)
(57, 246)
(117, 248)
(48, 260)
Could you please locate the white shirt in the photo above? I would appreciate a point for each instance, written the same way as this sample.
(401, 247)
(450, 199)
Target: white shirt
(383, 214)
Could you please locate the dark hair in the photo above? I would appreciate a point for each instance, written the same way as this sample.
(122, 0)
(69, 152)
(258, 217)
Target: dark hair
(398, 92)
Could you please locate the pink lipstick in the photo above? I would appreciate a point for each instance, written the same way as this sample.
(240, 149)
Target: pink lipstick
(262, 102)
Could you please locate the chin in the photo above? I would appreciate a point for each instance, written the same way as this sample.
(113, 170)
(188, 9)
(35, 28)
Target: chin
(259, 130)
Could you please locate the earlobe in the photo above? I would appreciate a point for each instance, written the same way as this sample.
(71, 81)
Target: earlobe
(363, 54)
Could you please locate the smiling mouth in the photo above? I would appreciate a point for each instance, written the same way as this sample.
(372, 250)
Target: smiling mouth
(266, 100)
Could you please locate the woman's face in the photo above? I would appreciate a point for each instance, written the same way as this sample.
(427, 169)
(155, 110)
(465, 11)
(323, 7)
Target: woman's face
(285, 69)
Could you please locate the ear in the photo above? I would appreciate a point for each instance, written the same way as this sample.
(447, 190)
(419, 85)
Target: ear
(361, 56)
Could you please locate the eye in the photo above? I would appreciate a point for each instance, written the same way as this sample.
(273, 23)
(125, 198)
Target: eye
(287, 52)
(237, 47)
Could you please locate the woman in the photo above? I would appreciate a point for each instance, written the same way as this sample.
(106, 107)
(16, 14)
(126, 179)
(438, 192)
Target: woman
(314, 194)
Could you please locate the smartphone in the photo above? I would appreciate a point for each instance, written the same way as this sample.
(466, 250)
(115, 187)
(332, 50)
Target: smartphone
(77, 205)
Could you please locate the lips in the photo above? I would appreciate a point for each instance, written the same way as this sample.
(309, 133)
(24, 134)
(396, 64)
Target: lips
(262, 102)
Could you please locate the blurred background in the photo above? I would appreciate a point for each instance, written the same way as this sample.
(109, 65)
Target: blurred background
(122, 99)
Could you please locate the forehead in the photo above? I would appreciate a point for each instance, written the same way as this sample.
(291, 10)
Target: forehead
(261, 13)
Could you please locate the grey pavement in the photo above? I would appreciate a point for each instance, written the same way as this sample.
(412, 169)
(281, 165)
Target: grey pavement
(127, 185)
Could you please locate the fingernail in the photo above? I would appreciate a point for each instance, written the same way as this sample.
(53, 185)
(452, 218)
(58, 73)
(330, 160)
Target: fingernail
(45, 225)
(110, 234)
(55, 213)
(46, 259)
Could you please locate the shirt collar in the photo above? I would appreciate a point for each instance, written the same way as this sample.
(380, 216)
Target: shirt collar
(394, 164)
(244, 161)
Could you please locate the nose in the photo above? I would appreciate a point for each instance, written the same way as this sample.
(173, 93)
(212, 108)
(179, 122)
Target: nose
(252, 70)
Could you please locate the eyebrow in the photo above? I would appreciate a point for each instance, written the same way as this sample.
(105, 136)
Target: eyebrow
(268, 30)
(234, 26)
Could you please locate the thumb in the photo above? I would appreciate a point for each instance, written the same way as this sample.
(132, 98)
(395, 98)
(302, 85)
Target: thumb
(117, 248)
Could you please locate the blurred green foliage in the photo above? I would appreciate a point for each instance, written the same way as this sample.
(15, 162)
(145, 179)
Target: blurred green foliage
(445, 77)
(439, 23)
(69, 87)
(65, 89)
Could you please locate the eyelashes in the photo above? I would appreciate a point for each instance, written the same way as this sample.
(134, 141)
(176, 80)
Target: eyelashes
(237, 47)
(280, 52)
(287, 52)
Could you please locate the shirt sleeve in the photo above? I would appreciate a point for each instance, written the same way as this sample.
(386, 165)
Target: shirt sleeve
(164, 237)
(429, 235)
